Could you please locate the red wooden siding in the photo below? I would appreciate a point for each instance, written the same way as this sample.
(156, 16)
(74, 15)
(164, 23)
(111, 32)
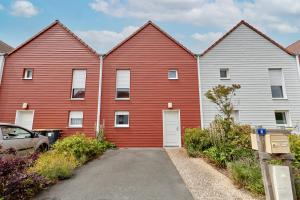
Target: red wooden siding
(149, 55)
(52, 55)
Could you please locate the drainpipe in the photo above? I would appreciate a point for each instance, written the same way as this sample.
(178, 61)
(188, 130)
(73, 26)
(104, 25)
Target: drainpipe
(2, 61)
(297, 63)
(99, 95)
(200, 91)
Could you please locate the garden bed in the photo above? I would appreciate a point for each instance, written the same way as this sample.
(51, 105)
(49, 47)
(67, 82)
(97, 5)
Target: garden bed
(23, 177)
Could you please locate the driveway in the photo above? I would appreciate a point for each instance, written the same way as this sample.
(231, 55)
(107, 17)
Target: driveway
(125, 174)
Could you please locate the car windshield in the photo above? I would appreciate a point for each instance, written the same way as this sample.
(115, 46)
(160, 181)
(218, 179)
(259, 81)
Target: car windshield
(14, 133)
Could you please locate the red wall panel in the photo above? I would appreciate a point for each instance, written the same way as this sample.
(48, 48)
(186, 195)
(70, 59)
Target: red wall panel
(149, 55)
(53, 55)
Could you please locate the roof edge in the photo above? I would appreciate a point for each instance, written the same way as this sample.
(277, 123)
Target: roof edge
(252, 28)
(47, 28)
(140, 29)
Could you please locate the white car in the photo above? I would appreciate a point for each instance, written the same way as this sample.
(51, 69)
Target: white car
(21, 139)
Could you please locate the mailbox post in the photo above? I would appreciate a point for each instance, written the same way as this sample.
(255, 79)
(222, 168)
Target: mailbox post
(273, 144)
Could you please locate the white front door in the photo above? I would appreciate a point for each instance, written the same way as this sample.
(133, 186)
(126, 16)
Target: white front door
(172, 130)
(24, 118)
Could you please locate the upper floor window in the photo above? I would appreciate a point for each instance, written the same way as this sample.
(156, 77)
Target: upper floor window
(78, 84)
(173, 74)
(27, 74)
(76, 119)
(123, 84)
(224, 73)
(277, 83)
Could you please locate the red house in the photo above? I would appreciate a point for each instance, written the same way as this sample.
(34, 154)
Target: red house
(146, 87)
(149, 90)
(51, 81)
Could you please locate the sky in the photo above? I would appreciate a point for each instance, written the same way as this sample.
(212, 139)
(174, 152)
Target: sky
(194, 23)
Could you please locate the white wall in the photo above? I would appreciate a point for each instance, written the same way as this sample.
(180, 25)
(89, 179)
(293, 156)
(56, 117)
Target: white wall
(248, 56)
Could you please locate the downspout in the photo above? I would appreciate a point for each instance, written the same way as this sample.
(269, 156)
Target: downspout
(200, 91)
(99, 96)
(297, 63)
(2, 61)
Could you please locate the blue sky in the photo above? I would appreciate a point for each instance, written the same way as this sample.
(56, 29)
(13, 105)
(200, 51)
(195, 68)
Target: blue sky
(194, 23)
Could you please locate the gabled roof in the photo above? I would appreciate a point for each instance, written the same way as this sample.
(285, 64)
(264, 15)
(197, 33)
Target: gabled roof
(294, 48)
(251, 27)
(142, 28)
(56, 22)
(5, 48)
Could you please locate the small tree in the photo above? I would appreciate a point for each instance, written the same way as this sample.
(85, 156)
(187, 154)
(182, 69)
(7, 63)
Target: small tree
(222, 95)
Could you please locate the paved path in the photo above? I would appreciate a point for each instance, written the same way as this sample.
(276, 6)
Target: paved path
(204, 181)
(126, 174)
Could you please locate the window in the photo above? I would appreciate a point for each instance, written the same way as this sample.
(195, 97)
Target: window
(76, 119)
(172, 74)
(122, 119)
(277, 83)
(78, 84)
(123, 84)
(10, 133)
(236, 116)
(27, 74)
(281, 118)
(224, 73)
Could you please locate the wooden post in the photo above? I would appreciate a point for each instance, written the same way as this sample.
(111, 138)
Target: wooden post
(264, 167)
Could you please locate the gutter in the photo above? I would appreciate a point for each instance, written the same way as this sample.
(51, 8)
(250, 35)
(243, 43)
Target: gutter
(200, 91)
(99, 96)
(297, 63)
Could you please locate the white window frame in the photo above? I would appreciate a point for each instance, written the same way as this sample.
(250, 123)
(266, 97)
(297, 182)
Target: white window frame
(284, 94)
(72, 98)
(121, 113)
(116, 97)
(227, 73)
(75, 126)
(25, 74)
(287, 116)
(173, 70)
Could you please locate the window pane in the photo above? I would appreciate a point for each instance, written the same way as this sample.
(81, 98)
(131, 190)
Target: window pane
(122, 92)
(121, 119)
(78, 93)
(223, 73)
(172, 74)
(14, 133)
(76, 121)
(280, 118)
(29, 74)
(277, 91)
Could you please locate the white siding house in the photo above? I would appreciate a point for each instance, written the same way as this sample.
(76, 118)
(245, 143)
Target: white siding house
(247, 57)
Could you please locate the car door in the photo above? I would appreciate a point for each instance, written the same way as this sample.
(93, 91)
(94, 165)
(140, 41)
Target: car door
(17, 138)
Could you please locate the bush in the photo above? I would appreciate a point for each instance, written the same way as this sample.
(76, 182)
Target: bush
(246, 173)
(55, 165)
(15, 181)
(82, 147)
(196, 140)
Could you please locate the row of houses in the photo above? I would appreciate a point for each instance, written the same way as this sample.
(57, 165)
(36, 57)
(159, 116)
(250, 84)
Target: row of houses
(146, 90)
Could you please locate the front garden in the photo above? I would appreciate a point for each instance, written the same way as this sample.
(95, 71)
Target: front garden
(227, 145)
(23, 177)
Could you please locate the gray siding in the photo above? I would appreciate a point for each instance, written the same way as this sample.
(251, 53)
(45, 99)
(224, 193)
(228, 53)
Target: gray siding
(248, 56)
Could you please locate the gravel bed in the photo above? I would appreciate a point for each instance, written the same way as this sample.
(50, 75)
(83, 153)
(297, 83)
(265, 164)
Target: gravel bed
(204, 181)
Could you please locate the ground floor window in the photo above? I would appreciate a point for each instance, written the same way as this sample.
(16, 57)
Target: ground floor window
(281, 118)
(121, 119)
(76, 119)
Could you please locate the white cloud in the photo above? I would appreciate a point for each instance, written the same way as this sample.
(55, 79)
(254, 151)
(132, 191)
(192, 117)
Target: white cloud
(275, 15)
(23, 8)
(203, 41)
(104, 40)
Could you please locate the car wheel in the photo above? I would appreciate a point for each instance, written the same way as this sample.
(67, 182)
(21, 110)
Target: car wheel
(42, 148)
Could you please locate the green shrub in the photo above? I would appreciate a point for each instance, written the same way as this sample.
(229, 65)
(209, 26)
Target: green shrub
(196, 140)
(82, 147)
(55, 165)
(246, 173)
